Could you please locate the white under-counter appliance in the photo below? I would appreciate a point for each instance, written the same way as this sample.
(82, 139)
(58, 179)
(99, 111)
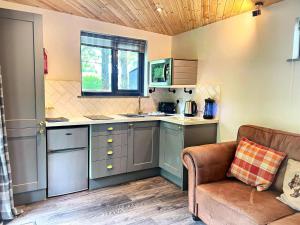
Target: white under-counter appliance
(67, 150)
(170, 71)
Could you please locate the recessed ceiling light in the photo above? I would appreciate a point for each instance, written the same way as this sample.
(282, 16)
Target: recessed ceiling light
(159, 8)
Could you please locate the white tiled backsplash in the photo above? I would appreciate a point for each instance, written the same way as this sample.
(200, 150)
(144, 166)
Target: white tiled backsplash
(62, 100)
(200, 93)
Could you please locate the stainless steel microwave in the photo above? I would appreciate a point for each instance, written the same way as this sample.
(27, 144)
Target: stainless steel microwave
(161, 72)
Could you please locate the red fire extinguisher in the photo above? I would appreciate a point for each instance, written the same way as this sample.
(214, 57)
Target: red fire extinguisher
(45, 61)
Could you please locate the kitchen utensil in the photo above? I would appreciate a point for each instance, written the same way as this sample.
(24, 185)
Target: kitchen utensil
(190, 108)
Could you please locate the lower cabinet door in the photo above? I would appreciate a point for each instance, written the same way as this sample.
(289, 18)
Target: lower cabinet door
(23, 153)
(171, 145)
(143, 146)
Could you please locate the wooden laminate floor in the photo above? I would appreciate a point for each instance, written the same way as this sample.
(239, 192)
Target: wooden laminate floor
(151, 201)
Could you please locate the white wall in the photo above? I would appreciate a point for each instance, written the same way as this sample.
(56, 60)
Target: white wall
(247, 56)
(62, 39)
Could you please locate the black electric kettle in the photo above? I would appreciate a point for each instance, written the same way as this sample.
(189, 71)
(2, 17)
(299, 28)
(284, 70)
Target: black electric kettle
(190, 108)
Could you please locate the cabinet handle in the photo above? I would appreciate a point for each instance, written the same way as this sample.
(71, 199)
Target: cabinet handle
(109, 140)
(68, 134)
(110, 128)
(42, 127)
(110, 152)
(109, 167)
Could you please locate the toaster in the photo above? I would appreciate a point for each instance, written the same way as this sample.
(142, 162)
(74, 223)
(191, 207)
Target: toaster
(167, 107)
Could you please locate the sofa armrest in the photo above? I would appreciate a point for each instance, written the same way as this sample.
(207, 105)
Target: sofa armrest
(205, 164)
(210, 161)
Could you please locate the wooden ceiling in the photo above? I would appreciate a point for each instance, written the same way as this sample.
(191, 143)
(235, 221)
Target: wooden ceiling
(177, 16)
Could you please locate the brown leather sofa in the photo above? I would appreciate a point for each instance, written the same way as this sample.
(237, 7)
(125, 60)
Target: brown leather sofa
(218, 200)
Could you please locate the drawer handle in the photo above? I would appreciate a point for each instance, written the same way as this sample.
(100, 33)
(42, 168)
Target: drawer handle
(110, 140)
(109, 167)
(110, 152)
(110, 128)
(68, 134)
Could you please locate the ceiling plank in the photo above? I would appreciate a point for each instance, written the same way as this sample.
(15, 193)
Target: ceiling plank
(213, 11)
(237, 7)
(221, 9)
(177, 16)
(228, 8)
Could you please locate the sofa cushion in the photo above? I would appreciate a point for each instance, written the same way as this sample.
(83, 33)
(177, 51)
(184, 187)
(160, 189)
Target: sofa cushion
(289, 220)
(233, 202)
(291, 185)
(255, 164)
(275, 139)
(290, 144)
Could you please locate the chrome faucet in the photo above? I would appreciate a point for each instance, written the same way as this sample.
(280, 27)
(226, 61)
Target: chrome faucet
(140, 108)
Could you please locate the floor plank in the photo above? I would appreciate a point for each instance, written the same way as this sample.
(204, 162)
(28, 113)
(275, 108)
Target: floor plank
(152, 201)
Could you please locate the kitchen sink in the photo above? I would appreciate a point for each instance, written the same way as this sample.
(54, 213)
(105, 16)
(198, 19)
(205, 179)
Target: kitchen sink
(98, 117)
(133, 115)
(160, 115)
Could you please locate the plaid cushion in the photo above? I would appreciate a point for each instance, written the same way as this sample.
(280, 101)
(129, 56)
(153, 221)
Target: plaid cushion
(255, 164)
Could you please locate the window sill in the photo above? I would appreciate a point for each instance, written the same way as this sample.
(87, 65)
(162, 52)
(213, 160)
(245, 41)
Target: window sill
(293, 60)
(108, 96)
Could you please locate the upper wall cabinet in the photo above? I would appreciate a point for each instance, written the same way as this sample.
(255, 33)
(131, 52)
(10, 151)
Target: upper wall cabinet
(172, 73)
(184, 72)
(21, 60)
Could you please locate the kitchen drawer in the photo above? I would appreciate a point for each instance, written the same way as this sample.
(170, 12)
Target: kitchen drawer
(143, 124)
(109, 141)
(108, 167)
(111, 128)
(67, 138)
(108, 153)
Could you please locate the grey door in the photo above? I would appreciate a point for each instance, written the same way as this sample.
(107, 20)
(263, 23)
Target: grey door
(170, 147)
(21, 60)
(143, 146)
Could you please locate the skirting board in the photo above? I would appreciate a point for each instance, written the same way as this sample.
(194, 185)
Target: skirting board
(123, 178)
(29, 197)
(182, 183)
(170, 177)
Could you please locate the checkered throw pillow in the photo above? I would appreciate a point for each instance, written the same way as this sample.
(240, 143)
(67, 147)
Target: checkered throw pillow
(255, 164)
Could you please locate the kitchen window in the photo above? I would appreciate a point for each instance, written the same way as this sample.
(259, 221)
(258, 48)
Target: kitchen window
(111, 65)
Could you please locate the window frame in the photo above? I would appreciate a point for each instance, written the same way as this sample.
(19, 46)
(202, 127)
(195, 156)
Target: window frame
(115, 92)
